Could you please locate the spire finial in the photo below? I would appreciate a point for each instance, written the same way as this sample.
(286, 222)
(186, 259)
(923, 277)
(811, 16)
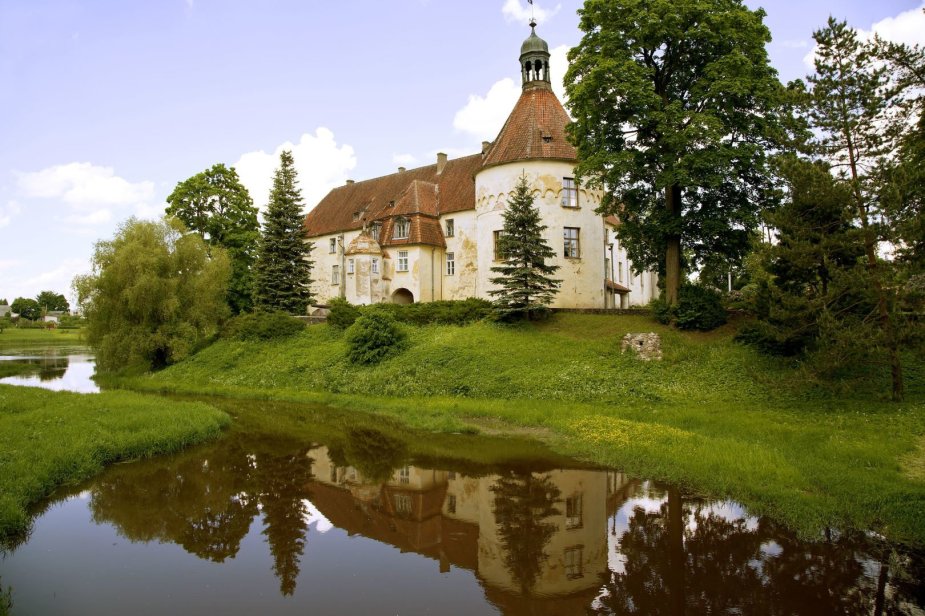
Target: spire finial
(532, 23)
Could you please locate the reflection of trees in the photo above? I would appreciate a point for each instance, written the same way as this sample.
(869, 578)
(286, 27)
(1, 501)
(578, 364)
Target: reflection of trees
(374, 454)
(729, 566)
(205, 500)
(522, 502)
(53, 367)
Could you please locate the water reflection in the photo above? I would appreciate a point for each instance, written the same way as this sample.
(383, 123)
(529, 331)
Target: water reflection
(553, 542)
(58, 369)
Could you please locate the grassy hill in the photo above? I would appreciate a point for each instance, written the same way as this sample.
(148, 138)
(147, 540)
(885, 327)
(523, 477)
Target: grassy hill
(713, 416)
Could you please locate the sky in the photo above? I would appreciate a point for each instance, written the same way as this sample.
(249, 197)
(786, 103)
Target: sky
(105, 105)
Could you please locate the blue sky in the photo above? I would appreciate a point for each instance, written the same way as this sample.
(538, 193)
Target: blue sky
(106, 105)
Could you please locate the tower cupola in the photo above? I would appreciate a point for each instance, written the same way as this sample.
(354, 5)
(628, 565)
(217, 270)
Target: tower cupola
(534, 59)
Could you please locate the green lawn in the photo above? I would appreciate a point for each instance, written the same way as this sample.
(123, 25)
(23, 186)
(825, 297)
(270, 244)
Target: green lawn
(48, 439)
(713, 416)
(21, 339)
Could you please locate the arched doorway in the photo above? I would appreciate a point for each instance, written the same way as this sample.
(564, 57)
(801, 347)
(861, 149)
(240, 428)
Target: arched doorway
(402, 296)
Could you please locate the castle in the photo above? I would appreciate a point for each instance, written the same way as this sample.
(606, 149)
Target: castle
(430, 233)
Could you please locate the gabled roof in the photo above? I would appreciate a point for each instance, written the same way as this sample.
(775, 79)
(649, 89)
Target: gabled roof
(535, 129)
(415, 191)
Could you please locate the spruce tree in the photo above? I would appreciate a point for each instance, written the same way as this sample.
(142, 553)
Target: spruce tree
(524, 278)
(283, 267)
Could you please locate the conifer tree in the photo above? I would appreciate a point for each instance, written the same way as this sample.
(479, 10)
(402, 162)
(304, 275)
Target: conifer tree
(524, 278)
(283, 276)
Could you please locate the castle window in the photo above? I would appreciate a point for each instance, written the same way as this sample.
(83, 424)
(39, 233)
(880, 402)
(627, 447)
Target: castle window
(356, 216)
(573, 517)
(498, 255)
(619, 271)
(349, 266)
(402, 261)
(402, 503)
(404, 474)
(402, 226)
(450, 227)
(332, 245)
(572, 248)
(335, 274)
(569, 192)
(573, 564)
(450, 263)
(451, 503)
(375, 266)
(375, 229)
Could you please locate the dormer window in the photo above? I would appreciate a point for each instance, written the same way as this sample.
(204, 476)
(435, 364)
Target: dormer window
(375, 229)
(356, 216)
(402, 227)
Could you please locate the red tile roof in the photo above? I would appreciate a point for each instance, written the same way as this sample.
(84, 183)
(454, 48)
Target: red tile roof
(416, 191)
(535, 129)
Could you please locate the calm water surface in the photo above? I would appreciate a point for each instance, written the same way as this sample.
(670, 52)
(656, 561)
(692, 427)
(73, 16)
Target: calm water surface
(284, 520)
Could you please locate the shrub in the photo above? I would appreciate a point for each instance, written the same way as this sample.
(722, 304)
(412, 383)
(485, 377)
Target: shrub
(699, 308)
(342, 313)
(442, 312)
(771, 340)
(661, 311)
(374, 337)
(262, 326)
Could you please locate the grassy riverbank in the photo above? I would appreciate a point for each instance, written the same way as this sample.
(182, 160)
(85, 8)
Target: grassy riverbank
(713, 416)
(16, 338)
(48, 439)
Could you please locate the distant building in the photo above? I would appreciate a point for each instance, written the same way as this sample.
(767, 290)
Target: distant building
(53, 316)
(430, 233)
(5, 311)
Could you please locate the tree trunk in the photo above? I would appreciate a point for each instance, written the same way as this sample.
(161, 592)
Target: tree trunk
(673, 245)
(676, 555)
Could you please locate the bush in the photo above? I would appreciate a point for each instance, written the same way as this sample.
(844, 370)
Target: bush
(698, 308)
(442, 312)
(374, 337)
(262, 326)
(771, 340)
(342, 313)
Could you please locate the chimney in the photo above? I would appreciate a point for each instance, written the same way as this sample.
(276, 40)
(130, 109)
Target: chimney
(401, 169)
(349, 182)
(441, 162)
(485, 146)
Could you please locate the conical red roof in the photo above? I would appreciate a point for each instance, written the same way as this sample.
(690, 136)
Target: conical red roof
(535, 129)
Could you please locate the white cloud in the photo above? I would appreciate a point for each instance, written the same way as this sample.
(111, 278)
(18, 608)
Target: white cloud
(558, 64)
(8, 212)
(513, 10)
(6, 264)
(907, 27)
(793, 44)
(24, 283)
(483, 116)
(320, 162)
(404, 160)
(84, 186)
(93, 218)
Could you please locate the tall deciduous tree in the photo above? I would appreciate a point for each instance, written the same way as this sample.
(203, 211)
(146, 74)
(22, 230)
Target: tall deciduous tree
(154, 295)
(218, 207)
(525, 282)
(26, 308)
(858, 120)
(283, 267)
(674, 104)
(49, 300)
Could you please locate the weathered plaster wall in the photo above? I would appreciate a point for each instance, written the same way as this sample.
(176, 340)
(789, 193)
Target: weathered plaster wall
(464, 246)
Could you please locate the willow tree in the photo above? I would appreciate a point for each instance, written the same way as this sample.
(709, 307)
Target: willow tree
(674, 104)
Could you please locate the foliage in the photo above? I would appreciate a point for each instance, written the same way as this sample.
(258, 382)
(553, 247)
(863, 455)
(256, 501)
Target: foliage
(82, 434)
(262, 326)
(49, 300)
(698, 307)
(218, 207)
(26, 308)
(446, 312)
(524, 278)
(283, 270)
(6, 601)
(372, 338)
(375, 454)
(662, 311)
(154, 296)
(342, 313)
(675, 108)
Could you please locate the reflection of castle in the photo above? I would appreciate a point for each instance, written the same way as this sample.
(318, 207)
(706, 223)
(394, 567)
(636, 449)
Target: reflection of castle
(540, 537)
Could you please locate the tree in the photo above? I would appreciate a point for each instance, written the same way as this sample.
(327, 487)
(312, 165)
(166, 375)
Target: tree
(283, 270)
(674, 104)
(218, 207)
(524, 278)
(155, 294)
(26, 308)
(49, 300)
(859, 120)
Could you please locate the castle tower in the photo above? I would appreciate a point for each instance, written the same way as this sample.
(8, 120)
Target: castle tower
(533, 142)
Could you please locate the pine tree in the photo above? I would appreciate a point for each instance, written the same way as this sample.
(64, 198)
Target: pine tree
(283, 267)
(525, 284)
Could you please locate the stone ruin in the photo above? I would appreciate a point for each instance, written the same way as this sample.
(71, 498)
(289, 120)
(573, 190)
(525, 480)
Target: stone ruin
(646, 346)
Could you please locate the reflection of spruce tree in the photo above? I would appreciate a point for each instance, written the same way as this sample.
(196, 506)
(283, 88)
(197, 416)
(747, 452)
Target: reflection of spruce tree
(522, 502)
(197, 499)
(282, 480)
